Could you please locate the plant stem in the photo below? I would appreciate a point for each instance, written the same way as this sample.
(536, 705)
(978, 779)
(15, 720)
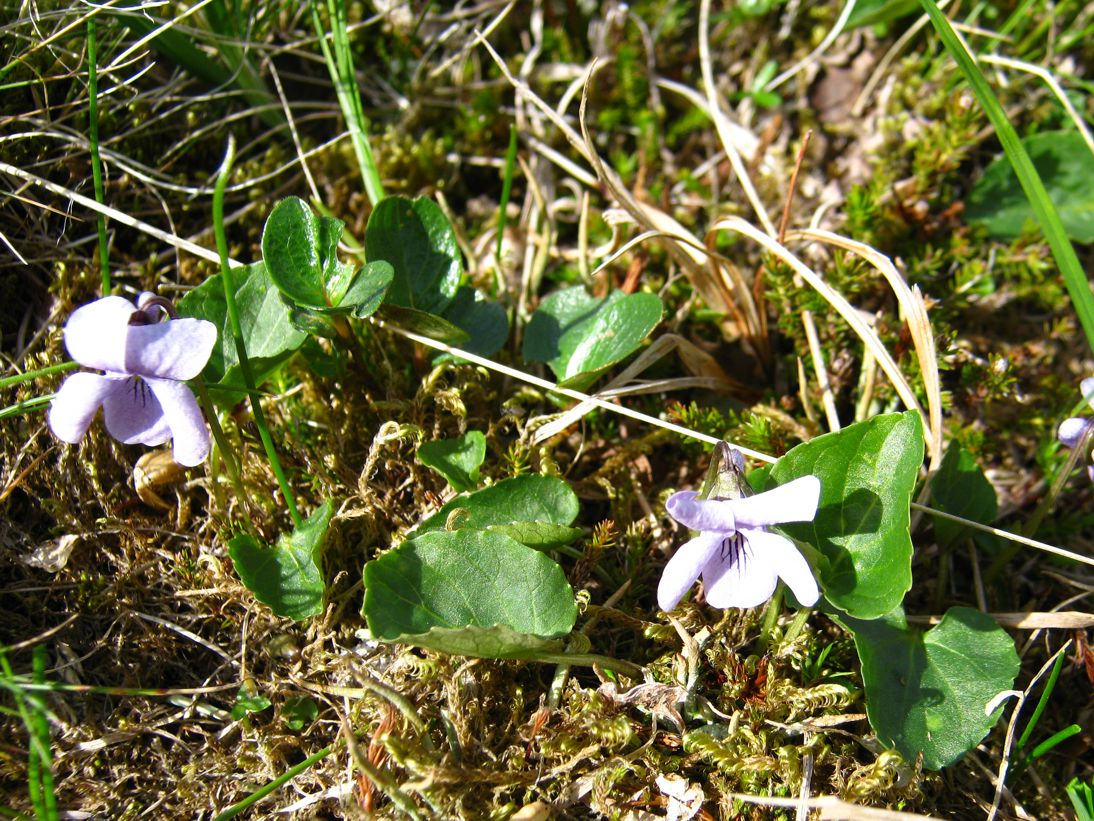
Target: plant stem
(93, 139)
(771, 619)
(237, 335)
(9, 381)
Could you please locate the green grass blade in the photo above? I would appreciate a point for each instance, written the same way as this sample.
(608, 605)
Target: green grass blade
(237, 334)
(340, 65)
(1048, 218)
(506, 188)
(1042, 702)
(9, 381)
(93, 140)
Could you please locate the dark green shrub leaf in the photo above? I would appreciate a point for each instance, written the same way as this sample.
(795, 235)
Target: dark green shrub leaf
(867, 473)
(286, 576)
(301, 253)
(417, 239)
(421, 322)
(468, 592)
(484, 322)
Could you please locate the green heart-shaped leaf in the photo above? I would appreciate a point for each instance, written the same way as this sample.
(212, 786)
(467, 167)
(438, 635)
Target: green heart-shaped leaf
(417, 239)
(961, 488)
(286, 576)
(468, 592)
(579, 335)
(521, 499)
(1065, 165)
(457, 460)
(867, 473)
(926, 692)
(540, 535)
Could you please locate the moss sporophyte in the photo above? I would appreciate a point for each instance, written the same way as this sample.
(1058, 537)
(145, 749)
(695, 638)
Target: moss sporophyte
(146, 354)
(739, 560)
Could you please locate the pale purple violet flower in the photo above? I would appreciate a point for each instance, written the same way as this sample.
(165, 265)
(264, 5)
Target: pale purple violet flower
(146, 355)
(1072, 430)
(739, 560)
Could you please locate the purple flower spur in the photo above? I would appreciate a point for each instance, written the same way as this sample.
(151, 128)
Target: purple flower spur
(739, 560)
(146, 354)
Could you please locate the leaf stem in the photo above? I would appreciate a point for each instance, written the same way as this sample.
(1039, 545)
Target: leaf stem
(237, 334)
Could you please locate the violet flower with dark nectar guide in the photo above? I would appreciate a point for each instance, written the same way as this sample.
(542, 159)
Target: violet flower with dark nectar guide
(146, 354)
(1073, 430)
(739, 560)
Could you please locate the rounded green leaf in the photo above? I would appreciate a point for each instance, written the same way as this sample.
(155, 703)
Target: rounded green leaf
(368, 289)
(417, 239)
(579, 335)
(422, 322)
(286, 576)
(457, 460)
(926, 692)
(301, 253)
(519, 499)
(469, 592)
(1065, 165)
(867, 473)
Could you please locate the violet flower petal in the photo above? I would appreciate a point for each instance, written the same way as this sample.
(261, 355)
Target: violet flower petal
(741, 578)
(76, 403)
(133, 415)
(689, 510)
(176, 349)
(191, 437)
(1086, 388)
(1072, 430)
(795, 501)
(684, 567)
(788, 562)
(96, 333)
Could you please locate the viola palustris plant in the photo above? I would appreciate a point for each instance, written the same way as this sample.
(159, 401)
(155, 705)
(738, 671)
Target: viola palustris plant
(545, 410)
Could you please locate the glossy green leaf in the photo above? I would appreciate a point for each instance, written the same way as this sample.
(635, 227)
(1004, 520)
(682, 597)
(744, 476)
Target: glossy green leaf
(264, 318)
(926, 692)
(300, 250)
(519, 499)
(867, 473)
(367, 290)
(484, 322)
(287, 576)
(424, 323)
(579, 335)
(1065, 165)
(457, 460)
(417, 239)
(468, 592)
(960, 487)
(879, 12)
